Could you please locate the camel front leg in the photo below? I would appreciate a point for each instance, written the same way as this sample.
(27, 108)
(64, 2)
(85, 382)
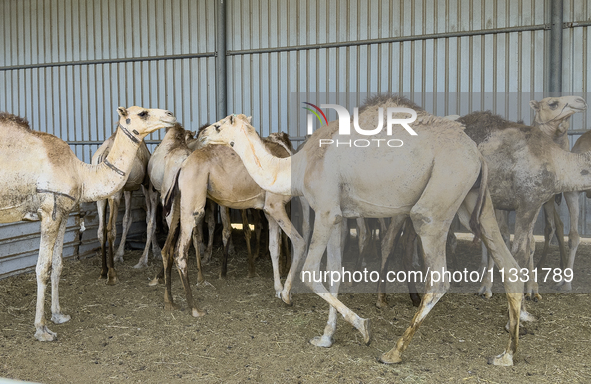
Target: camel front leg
(247, 236)
(101, 206)
(276, 210)
(49, 234)
(112, 235)
(333, 263)
(327, 222)
(126, 224)
(274, 235)
(226, 238)
(56, 313)
(572, 201)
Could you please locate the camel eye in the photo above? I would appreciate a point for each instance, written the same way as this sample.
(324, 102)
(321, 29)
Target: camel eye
(217, 128)
(553, 104)
(143, 114)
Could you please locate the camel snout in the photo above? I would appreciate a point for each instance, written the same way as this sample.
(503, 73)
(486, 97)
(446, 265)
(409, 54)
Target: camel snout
(582, 102)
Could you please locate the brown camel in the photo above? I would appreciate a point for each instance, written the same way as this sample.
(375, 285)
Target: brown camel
(137, 178)
(215, 172)
(42, 179)
(432, 176)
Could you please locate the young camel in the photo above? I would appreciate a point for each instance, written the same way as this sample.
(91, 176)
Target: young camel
(215, 172)
(582, 145)
(162, 167)
(429, 178)
(551, 118)
(526, 170)
(137, 178)
(42, 179)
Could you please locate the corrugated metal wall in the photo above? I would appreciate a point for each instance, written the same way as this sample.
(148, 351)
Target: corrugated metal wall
(444, 52)
(67, 64)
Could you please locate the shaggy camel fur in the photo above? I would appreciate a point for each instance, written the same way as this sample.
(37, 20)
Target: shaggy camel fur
(215, 172)
(551, 120)
(526, 170)
(429, 178)
(42, 179)
(137, 178)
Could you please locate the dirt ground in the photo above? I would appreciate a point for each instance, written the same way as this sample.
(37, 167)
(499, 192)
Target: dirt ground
(122, 333)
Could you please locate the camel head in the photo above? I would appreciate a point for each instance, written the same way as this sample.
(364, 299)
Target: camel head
(227, 130)
(555, 110)
(142, 121)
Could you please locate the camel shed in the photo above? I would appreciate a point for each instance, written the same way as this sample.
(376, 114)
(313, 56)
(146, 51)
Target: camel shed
(66, 66)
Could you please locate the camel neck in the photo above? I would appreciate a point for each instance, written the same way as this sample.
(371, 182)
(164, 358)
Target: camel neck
(271, 173)
(102, 180)
(555, 130)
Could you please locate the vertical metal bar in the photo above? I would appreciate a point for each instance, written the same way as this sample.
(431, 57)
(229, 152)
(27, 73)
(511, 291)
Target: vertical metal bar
(555, 78)
(221, 59)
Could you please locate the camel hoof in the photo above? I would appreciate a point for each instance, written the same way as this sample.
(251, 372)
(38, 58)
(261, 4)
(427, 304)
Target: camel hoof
(285, 297)
(564, 287)
(44, 334)
(322, 341)
(118, 259)
(171, 306)
(381, 304)
(197, 313)
(485, 292)
(112, 280)
(526, 316)
(59, 318)
(503, 360)
(365, 331)
(155, 282)
(392, 357)
(141, 265)
(251, 275)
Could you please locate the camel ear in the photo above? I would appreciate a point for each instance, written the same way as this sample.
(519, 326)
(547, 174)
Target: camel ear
(535, 105)
(231, 119)
(249, 119)
(122, 111)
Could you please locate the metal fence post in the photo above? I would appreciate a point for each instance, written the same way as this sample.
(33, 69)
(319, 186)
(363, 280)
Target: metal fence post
(221, 102)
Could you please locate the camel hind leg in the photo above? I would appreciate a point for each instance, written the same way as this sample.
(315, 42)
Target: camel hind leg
(432, 216)
(101, 206)
(151, 196)
(112, 235)
(499, 251)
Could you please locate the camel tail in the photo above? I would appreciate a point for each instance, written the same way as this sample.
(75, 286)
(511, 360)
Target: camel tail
(170, 195)
(475, 225)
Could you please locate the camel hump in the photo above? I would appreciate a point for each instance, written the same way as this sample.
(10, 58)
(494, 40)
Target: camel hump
(9, 118)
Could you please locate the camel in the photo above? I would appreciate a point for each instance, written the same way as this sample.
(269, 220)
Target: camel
(215, 172)
(41, 179)
(137, 178)
(431, 177)
(526, 170)
(582, 145)
(528, 180)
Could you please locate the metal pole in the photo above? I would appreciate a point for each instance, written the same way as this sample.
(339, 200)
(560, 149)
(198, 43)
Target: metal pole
(221, 105)
(555, 84)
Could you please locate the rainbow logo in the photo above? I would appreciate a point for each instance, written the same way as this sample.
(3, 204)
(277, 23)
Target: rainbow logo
(314, 112)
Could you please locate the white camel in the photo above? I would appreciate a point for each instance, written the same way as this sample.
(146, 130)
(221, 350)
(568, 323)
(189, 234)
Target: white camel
(42, 179)
(429, 178)
(137, 178)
